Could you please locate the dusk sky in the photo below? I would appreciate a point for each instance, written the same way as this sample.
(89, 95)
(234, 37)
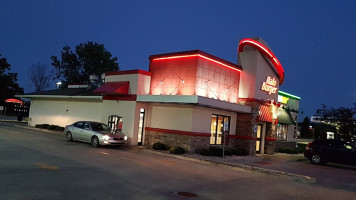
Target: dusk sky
(314, 40)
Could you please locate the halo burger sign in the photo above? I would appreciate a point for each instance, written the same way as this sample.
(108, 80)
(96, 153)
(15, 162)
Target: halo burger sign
(269, 85)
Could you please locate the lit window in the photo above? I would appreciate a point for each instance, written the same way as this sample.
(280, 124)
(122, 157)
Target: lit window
(219, 125)
(282, 132)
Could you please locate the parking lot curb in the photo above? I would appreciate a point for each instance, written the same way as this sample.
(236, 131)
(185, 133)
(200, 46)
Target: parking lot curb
(237, 166)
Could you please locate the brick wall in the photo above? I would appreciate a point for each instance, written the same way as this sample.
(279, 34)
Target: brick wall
(270, 133)
(189, 143)
(244, 127)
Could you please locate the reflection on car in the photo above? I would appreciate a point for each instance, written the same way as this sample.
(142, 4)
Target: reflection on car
(335, 151)
(95, 133)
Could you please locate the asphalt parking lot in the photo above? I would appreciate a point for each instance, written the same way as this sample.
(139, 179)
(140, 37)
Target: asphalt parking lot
(330, 175)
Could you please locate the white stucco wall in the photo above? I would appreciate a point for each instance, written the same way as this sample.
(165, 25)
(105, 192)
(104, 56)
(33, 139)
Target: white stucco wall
(256, 68)
(124, 109)
(185, 117)
(248, 61)
(63, 112)
(170, 116)
(139, 83)
(291, 129)
(264, 69)
(202, 119)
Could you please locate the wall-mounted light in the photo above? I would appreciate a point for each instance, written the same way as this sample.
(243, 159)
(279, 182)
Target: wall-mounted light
(181, 80)
(58, 84)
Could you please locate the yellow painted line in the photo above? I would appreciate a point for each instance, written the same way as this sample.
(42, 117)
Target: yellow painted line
(105, 153)
(45, 166)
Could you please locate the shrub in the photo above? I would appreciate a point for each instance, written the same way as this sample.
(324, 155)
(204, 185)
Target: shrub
(59, 128)
(177, 150)
(301, 147)
(239, 152)
(49, 127)
(289, 150)
(52, 127)
(216, 151)
(44, 126)
(159, 146)
(205, 152)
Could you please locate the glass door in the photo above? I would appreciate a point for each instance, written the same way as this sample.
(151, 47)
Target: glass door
(258, 141)
(140, 126)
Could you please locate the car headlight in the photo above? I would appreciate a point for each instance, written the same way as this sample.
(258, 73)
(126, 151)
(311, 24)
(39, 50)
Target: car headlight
(125, 138)
(106, 137)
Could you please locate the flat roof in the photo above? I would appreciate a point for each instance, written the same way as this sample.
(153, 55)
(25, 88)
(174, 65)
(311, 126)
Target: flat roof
(196, 100)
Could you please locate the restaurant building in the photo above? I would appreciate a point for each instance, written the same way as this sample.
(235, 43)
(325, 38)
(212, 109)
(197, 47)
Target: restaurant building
(190, 99)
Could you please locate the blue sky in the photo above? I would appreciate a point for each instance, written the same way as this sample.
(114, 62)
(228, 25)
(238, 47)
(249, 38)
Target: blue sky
(314, 40)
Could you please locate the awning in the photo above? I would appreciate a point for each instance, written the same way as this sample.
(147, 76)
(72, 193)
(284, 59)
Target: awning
(14, 101)
(114, 88)
(265, 114)
(284, 116)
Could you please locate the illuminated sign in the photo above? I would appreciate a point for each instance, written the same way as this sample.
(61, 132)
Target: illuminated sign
(269, 85)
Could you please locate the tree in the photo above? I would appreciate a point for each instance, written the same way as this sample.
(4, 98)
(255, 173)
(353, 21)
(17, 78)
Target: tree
(305, 129)
(41, 76)
(89, 59)
(343, 118)
(8, 82)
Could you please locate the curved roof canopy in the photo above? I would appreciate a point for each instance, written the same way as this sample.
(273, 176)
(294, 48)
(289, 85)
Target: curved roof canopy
(266, 52)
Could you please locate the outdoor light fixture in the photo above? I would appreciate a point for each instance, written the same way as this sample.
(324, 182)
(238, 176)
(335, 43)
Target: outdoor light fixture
(58, 84)
(181, 80)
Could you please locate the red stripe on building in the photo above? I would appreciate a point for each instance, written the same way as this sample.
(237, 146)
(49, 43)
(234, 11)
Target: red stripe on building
(270, 139)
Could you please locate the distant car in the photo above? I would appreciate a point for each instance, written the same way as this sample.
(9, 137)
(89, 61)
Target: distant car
(95, 133)
(335, 151)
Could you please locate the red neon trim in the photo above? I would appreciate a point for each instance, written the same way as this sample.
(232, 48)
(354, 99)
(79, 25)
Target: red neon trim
(178, 132)
(265, 51)
(201, 56)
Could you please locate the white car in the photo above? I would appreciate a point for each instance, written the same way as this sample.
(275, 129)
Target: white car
(95, 133)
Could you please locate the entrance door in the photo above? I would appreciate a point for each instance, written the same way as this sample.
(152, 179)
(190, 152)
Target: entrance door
(258, 141)
(141, 123)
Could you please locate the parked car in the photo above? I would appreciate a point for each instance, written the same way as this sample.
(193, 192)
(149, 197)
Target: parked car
(335, 151)
(95, 133)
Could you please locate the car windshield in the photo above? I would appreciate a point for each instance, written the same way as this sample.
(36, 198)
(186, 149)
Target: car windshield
(99, 127)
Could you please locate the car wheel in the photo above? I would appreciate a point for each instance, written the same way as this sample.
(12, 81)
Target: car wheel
(316, 159)
(95, 141)
(69, 136)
